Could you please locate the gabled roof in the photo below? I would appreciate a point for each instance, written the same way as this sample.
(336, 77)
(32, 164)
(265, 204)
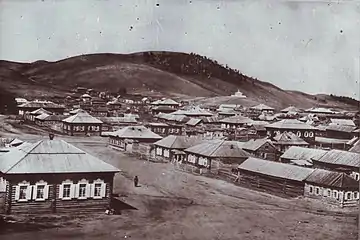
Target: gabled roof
(218, 149)
(193, 121)
(40, 111)
(262, 107)
(135, 132)
(320, 110)
(290, 124)
(341, 128)
(255, 144)
(347, 122)
(178, 142)
(51, 156)
(236, 120)
(41, 104)
(356, 147)
(332, 179)
(82, 117)
(195, 111)
(302, 153)
(117, 120)
(276, 169)
(291, 109)
(42, 116)
(338, 157)
(75, 111)
(165, 102)
(288, 138)
(171, 117)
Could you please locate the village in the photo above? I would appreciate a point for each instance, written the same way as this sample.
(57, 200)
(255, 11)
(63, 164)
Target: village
(82, 153)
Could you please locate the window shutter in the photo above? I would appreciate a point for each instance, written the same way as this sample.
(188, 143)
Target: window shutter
(34, 192)
(46, 191)
(92, 191)
(29, 192)
(103, 190)
(88, 190)
(17, 192)
(73, 191)
(61, 190)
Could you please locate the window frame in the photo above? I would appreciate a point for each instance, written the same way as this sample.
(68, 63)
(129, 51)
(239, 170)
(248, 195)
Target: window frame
(82, 190)
(26, 192)
(63, 189)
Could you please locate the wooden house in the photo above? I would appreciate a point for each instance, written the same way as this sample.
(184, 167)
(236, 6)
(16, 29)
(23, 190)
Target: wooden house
(332, 187)
(30, 116)
(273, 177)
(338, 131)
(355, 147)
(82, 124)
(115, 123)
(285, 140)
(97, 102)
(342, 161)
(52, 176)
(301, 155)
(123, 139)
(172, 147)
(100, 112)
(46, 105)
(342, 122)
(194, 112)
(85, 98)
(331, 143)
(262, 108)
(261, 148)
(114, 105)
(164, 129)
(302, 130)
(216, 154)
(49, 120)
(162, 109)
(291, 109)
(235, 122)
(166, 102)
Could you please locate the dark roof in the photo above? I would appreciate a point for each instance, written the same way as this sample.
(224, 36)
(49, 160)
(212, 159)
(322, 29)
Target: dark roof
(332, 179)
(41, 104)
(341, 128)
(254, 145)
(338, 157)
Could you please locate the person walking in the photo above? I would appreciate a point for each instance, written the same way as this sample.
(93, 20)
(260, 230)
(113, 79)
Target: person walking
(136, 181)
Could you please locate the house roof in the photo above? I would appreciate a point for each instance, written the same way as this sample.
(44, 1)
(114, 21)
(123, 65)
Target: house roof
(163, 108)
(262, 107)
(40, 111)
(290, 124)
(288, 138)
(291, 109)
(236, 120)
(341, 128)
(178, 142)
(41, 104)
(82, 117)
(218, 149)
(193, 121)
(135, 132)
(171, 117)
(275, 169)
(115, 120)
(195, 111)
(51, 156)
(165, 102)
(347, 122)
(356, 147)
(255, 144)
(75, 111)
(302, 153)
(320, 110)
(330, 140)
(332, 179)
(339, 157)
(42, 116)
(158, 124)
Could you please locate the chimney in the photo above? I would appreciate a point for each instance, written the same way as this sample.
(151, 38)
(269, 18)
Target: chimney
(51, 136)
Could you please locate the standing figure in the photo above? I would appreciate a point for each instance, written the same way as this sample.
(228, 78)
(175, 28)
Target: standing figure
(136, 181)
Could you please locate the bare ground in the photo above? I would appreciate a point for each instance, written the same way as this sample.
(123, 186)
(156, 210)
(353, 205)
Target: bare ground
(178, 205)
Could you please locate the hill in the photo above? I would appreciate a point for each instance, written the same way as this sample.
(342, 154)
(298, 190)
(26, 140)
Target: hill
(169, 73)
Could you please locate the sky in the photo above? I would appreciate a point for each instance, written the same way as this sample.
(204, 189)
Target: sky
(311, 46)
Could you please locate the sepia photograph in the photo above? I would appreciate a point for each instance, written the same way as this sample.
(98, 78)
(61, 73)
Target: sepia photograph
(180, 119)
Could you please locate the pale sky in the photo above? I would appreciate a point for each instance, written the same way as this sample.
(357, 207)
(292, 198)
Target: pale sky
(311, 46)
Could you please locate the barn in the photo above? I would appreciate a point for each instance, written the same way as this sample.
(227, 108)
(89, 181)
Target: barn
(274, 177)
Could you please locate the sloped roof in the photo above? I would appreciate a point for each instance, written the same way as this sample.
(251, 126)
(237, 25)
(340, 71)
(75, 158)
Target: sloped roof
(332, 179)
(289, 138)
(291, 109)
(341, 128)
(163, 108)
(178, 142)
(195, 111)
(236, 120)
(171, 117)
(41, 104)
(320, 110)
(219, 149)
(40, 111)
(82, 117)
(51, 156)
(115, 120)
(135, 132)
(42, 116)
(347, 122)
(255, 144)
(330, 140)
(165, 102)
(262, 107)
(290, 124)
(356, 147)
(193, 121)
(75, 111)
(339, 157)
(276, 169)
(302, 153)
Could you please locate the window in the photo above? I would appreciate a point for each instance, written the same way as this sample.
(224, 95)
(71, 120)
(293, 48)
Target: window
(97, 190)
(298, 133)
(348, 196)
(311, 189)
(23, 192)
(40, 189)
(66, 190)
(306, 134)
(317, 191)
(328, 193)
(311, 134)
(356, 195)
(82, 190)
(336, 195)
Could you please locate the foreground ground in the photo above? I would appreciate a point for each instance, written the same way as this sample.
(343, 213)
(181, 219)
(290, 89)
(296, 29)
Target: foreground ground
(176, 205)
